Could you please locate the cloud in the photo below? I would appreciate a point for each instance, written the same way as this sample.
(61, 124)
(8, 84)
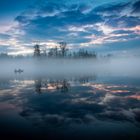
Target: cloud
(80, 23)
(14, 47)
(4, 36)
(58, 20)
(62, 20)
(111, 34)
(123, 21)
(136, 7)
(111, 9)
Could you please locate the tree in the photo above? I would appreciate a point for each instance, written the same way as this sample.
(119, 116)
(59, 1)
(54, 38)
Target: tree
(4, 55)
(37, 50)
(44, 53)
(56, 51)
(51, 52)
(63, 48)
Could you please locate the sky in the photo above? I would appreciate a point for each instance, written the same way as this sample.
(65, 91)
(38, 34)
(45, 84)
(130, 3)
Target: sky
(100, 25)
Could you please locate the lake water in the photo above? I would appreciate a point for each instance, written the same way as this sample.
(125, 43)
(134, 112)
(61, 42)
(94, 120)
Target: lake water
(91, 105)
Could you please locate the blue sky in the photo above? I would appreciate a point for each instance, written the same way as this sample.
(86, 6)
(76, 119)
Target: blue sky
(101, 25)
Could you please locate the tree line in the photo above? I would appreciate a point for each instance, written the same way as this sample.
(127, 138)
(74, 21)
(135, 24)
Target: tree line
(62, 51)
(59, 51)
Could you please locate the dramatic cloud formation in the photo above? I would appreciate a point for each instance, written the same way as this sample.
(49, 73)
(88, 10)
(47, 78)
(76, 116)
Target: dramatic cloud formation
(87, 23)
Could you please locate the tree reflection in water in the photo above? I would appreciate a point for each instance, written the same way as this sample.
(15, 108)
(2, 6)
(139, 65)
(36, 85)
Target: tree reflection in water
(59, 85)
(38, 86)
(62, 85)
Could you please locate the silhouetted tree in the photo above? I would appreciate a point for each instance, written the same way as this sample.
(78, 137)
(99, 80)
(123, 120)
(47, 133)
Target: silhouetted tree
(38, 86)
(4, 55)
(37, 50)
(86, 54)
(65, 86)
(56, 51)
(63, 48)
(44, 53)
(53, 52)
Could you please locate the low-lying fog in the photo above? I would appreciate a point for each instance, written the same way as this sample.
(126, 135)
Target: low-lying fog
(70, 67)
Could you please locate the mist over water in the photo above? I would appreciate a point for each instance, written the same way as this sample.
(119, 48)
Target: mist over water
(71, 67)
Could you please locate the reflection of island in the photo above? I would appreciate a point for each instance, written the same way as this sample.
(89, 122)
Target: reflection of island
(85, 79)
(59, 85)
(63, 85)
(38, 86)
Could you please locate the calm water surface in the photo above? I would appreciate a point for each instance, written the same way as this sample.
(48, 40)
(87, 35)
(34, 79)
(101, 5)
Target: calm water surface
(70, 107)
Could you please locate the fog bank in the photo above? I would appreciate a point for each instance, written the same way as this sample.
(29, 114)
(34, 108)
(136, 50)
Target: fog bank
(70, 67)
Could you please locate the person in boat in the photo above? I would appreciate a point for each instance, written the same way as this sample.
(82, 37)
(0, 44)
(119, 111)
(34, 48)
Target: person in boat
(18, 71)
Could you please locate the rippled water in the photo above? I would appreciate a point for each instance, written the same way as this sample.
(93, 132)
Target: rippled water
(91, 106)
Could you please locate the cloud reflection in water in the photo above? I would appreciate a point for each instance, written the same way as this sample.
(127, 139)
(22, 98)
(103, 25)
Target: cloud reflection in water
(66, 105)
